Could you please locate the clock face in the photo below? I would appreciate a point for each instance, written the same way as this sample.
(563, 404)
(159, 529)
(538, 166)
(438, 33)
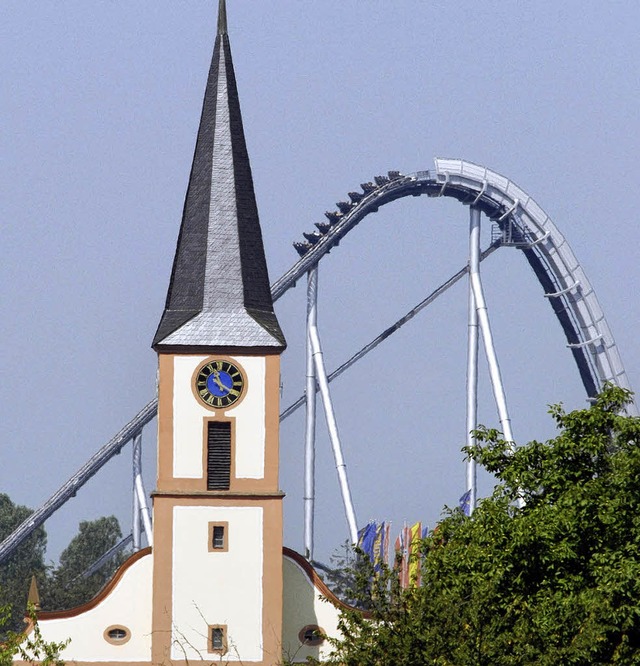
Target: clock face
(219, 384)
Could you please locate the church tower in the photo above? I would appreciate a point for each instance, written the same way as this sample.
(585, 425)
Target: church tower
(217, 585)
(217, 529)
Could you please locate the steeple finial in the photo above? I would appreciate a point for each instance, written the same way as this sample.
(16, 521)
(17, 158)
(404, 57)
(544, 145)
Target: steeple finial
(222, 18)
(34, 596)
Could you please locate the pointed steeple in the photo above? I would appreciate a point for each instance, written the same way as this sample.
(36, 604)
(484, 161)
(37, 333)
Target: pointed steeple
(33, 599)
(219, 293)
(222, 18)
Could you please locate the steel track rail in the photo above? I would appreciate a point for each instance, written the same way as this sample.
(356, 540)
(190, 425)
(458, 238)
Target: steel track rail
(71, 487)
(526, 226)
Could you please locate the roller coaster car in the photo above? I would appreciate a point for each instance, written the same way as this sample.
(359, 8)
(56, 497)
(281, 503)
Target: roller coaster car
(313, 237)
(333, 216)
(302, 247)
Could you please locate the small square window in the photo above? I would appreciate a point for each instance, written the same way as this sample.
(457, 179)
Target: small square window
(218, 537)
(218, 638)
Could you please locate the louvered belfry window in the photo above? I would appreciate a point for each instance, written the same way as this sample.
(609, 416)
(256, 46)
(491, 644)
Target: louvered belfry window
(218, 455)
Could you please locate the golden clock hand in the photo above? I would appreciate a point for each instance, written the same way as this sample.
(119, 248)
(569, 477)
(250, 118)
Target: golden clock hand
(218, 381)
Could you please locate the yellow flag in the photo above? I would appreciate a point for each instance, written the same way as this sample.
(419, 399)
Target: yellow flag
(415, 534)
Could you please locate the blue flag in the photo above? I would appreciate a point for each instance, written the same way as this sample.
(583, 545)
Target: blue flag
(465, 503)
(367, 538)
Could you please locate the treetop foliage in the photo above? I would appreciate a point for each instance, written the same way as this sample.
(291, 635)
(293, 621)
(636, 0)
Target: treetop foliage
(16, 572)
(63, 586)
(67, 585)
(553, 580)
(31, 648)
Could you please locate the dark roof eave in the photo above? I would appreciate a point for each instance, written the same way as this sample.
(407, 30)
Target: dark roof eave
(219, 349)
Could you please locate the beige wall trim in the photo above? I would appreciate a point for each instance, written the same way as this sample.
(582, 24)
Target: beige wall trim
(225, 647)
(215, 495)
(104, 592)
(198, 486)
(19, 662)
(162, 564)
(210, 531)
(272, 421)
(165, 419)
(172, 662)
(272, 581)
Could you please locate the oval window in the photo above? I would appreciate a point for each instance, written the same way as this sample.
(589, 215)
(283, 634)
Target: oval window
(311, 635)
(117, 634)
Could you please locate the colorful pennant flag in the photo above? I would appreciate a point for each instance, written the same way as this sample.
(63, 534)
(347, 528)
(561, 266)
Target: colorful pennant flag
(366, 540)
(406, 549)
(415, 534)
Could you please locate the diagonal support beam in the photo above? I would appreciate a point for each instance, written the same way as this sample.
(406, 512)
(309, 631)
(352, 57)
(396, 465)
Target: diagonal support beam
(456, 277)
(332, 427)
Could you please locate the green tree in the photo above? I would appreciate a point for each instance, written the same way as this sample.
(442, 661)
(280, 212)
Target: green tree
(32, 648)
(347, 574)
(556, 581)
(17, 570)
(67, 585)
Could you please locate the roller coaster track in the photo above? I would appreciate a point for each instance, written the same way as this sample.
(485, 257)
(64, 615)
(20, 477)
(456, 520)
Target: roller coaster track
(522, 224)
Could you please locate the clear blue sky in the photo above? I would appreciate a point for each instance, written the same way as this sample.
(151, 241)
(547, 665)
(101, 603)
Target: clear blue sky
(100, 105)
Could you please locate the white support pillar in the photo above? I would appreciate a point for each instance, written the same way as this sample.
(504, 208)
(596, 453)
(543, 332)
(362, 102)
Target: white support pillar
(136, 527)
(483, 318)
(332, 427)
(141, 494)
(310, 424)
(472, 357)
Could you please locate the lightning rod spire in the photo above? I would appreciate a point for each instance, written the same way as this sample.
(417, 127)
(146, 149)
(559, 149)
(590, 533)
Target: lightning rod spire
(222, 18)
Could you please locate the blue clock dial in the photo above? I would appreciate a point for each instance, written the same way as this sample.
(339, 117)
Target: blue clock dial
(219, 384)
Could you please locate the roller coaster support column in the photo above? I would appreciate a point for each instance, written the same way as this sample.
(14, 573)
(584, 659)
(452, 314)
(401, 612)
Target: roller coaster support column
(472, 358)
(483, 318)
(136, 528)
(141, 495)
(332, 427)
(310, 425)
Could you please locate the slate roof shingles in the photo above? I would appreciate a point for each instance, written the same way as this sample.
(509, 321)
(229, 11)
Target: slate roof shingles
(219, 293)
